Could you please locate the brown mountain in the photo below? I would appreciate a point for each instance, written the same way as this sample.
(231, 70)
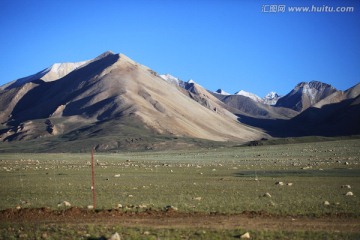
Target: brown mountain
(305, 95)
(112, 102)
(245, 106)
(104, 97)
(337, 114)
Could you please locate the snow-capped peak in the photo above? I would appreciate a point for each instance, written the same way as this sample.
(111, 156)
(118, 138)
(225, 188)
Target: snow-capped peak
(169, 77)
(174, 80)
(191, 81)
(271, 98)
(58, 70)
(222, 92)
(249, 95)
(52, 73)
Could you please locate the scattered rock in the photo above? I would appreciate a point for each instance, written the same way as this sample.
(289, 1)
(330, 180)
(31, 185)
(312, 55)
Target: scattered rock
(64, 204)
(115, 236)
(346, 163)
(267, 195)
(147, 233)
(18, 207)
(90, 207)
(349, 194)
(245, 236)
(44, 235)
(141, 206)
(289, 184)
(346, 186)
(119, 205)
(326, 203)
(117, 175)
(171, 208)
(23, 235)
(279, 183)
(197, 198)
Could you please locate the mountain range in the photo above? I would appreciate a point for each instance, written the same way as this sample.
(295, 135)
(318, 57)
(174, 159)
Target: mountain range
(113, 102)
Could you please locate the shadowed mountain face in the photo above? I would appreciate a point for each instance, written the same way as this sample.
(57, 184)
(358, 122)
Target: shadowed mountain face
(113, 88)
(112, 102)
(336, 119)
(246, 106)
(305, 95)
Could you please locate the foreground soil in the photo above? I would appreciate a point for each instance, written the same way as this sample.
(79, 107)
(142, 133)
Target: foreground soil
(179, 220)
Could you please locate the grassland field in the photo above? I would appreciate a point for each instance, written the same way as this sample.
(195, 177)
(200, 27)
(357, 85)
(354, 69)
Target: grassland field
(225, 180)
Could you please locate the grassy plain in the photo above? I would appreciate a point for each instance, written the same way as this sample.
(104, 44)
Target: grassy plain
(225, 180)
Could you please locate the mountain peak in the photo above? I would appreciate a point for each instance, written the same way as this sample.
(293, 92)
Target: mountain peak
(249, 95)
(305, 95)
(104, 54)
(313, 84)
(169, 77)
(271, 98)
(222, 92)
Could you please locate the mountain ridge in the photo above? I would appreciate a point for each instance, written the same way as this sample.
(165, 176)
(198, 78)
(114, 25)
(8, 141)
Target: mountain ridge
(113, 87)
(111, 100)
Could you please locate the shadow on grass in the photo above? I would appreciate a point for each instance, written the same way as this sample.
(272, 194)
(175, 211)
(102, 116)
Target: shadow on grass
(335, 172)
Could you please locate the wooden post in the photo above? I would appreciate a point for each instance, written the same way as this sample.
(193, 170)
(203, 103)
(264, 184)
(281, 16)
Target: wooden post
(93, 178)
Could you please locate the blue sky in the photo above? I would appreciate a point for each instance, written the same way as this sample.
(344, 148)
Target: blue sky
(228, 44)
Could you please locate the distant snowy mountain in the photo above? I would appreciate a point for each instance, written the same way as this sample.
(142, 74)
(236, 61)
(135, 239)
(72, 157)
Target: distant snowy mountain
(170, 78)
(222, 92)
(52, 73)
(306, 94)
(174, 80)
(249, 95)
(271, 98)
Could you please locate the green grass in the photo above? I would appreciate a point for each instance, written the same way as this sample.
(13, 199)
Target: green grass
(95, 232)
(224, 179)
(228, 180)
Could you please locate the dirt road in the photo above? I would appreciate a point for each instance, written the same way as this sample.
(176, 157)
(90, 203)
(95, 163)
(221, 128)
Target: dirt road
(174, 219)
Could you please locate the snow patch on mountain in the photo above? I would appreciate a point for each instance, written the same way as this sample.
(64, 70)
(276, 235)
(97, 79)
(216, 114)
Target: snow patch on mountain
(52, 73)
(169, 77)
(271, 98)
(311, 92)
(222, 92)
(174, 80)
(59, 70)
(249, 95)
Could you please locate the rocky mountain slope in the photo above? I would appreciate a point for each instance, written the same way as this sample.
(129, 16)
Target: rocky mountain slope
(114, 88)
(112, 102)
(305, 95)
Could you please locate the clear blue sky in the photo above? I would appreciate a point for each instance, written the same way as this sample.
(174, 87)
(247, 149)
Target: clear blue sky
(228, 44)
